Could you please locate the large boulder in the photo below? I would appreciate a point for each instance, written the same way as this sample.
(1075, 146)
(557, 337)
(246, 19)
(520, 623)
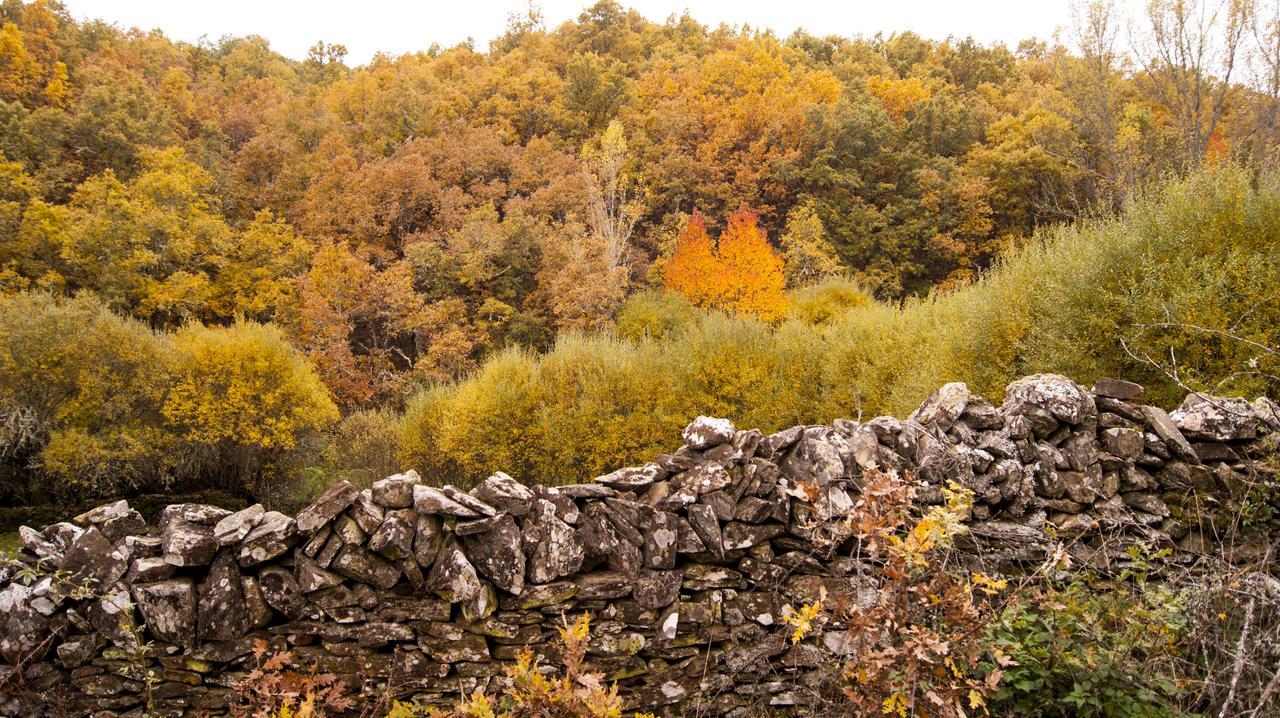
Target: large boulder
(396, 492)
(234, 528)
(114, 520)
(222, 612)
(941, 408)
(328, 505)
(453, 578)
(505, 494)
(557, 548)
(1211, 418)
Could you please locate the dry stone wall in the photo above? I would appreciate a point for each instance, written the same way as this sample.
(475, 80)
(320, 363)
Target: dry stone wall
(687, 564)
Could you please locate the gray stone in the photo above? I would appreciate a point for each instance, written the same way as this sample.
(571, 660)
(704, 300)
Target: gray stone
(430, 500)
(1216, 419)
(426, 539)
(357, 563)
(660, 541)
(633, 477)
(326, 507)
(115, 520)
(1062, 398)
(169, 610)
(153, 568)
(1117, 389)
(187, 544)
(505, 494)
(223, 615)
(1124, 443)
(112, 615)
(233, 529)
(311, 577)
(92, 560)
(366, 514)
(256, 606)
(557, 548)
(702, 520)
(468, 501)
(705, 432)
(497, 553)
(453, 578)
(703, 479)
(814, 459)
(22, 628)
(1170, 434)
(396, 492)
(657, 589)
(739, 535)
(394, 538)
(941, 408)
(281, 592)
(199, 514)
(274, 534)
(604, 585)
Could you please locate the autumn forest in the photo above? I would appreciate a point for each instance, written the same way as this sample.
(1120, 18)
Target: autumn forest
(223, 268)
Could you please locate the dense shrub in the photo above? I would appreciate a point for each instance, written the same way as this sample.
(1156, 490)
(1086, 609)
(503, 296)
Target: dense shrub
(1081, 650)
(80, 391)
(93, 404)
(820, 303)
(654, 315)
(244, 398)
(1180, 264)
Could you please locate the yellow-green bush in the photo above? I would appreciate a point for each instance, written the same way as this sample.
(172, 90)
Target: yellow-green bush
(1201, 250)
(654, 315)
(820, 303)
(244, 398)
(92, 403)
(79, 395)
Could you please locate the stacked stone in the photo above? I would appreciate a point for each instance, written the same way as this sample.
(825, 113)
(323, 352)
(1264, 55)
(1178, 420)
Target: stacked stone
(687, 564)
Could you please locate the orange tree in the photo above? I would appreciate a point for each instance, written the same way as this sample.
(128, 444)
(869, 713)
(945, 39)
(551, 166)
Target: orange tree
(741, 274)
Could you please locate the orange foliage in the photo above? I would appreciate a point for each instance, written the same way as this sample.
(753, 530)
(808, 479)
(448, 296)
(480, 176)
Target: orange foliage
(741, 275)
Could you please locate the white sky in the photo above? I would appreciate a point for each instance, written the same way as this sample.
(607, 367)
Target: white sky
(369, 26)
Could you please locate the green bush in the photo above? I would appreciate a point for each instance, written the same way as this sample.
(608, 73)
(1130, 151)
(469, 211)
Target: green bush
(1080, 651)
(94, 404)
(1198, 251)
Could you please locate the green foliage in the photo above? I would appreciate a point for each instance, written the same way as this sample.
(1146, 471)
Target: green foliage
(362, 448)
(80, 392)
(1092, 650)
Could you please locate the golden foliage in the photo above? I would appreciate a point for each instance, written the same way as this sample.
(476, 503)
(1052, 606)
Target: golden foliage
(741, 275)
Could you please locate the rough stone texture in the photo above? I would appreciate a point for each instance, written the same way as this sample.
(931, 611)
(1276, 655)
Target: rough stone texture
(396, 492)
(329, 504)
(169, 609)
(705, 432)
(685, 563)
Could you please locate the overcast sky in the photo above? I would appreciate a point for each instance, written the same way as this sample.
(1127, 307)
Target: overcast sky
(369, 26)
